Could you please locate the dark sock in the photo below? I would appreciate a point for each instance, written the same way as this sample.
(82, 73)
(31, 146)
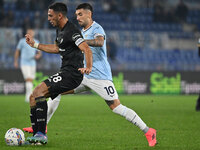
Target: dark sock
(34, 120)
(41, 113)
(198, 104)
(198, 99)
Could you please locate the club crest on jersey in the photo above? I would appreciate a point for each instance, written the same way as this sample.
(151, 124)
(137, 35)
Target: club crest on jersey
(59, 40)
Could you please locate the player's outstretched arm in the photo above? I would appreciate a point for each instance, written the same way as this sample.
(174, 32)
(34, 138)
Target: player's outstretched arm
(97, 42)
(88, 58)
(49, 48)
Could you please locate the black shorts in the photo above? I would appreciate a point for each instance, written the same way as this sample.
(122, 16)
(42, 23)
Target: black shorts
(63, 81)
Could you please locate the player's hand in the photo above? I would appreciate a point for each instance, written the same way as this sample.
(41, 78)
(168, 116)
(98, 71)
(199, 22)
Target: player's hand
(37, 56)
(29, 40)
(16, 64)
(85, 70)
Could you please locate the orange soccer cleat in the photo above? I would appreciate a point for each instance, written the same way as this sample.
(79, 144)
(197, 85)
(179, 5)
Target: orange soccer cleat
(30, 129)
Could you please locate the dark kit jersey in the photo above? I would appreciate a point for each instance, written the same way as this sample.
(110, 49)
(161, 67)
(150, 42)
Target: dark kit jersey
(67, 39)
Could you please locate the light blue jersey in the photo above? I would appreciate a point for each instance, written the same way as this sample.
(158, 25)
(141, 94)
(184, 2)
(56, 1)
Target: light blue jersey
(27, 56)
(101, 68)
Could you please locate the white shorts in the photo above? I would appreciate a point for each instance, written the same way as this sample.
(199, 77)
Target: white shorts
(28, 72)
(104, 88)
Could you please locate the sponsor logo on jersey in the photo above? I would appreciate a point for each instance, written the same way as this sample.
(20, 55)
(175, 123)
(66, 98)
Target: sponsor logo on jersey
(59, 40)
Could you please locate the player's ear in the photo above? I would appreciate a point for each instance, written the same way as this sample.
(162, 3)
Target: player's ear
(60, 15)
(90, 14)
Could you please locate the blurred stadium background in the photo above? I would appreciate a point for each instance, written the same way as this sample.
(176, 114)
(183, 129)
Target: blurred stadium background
(152, 44)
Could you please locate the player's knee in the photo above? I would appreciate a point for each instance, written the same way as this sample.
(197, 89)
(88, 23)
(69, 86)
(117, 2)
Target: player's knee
(113, 104)
(32, 101)
(37, 96)
(41, 91)
(30, 97)
(37, 92)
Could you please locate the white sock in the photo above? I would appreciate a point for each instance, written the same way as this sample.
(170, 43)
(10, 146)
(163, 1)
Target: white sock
(131, 116)
(52, 106)
(29, 88)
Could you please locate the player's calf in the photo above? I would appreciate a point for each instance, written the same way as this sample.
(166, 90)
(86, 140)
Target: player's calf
(41, 113)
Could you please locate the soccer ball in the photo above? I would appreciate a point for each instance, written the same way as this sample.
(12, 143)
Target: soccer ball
(14, 137)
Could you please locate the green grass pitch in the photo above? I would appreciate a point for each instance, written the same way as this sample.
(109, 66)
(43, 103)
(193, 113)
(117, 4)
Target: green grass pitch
(84, 122)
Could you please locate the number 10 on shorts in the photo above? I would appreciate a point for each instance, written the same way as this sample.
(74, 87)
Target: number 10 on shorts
(110, 90)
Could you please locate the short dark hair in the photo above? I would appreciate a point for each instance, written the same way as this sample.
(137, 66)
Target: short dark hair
(85, 6)
(59, 7)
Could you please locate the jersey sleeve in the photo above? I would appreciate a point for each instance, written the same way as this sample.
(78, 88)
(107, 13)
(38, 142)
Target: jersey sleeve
(98, 31)
(77, 37)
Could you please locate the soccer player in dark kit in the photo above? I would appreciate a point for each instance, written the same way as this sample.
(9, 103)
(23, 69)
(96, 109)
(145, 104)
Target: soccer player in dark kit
(70, 45)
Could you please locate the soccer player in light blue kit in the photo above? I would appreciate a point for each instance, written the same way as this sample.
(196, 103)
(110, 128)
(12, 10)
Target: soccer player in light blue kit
(100, 79)
(28, 57)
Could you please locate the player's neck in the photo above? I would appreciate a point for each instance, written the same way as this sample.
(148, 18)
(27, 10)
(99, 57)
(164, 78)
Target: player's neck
(63, 23)
(88, 25)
